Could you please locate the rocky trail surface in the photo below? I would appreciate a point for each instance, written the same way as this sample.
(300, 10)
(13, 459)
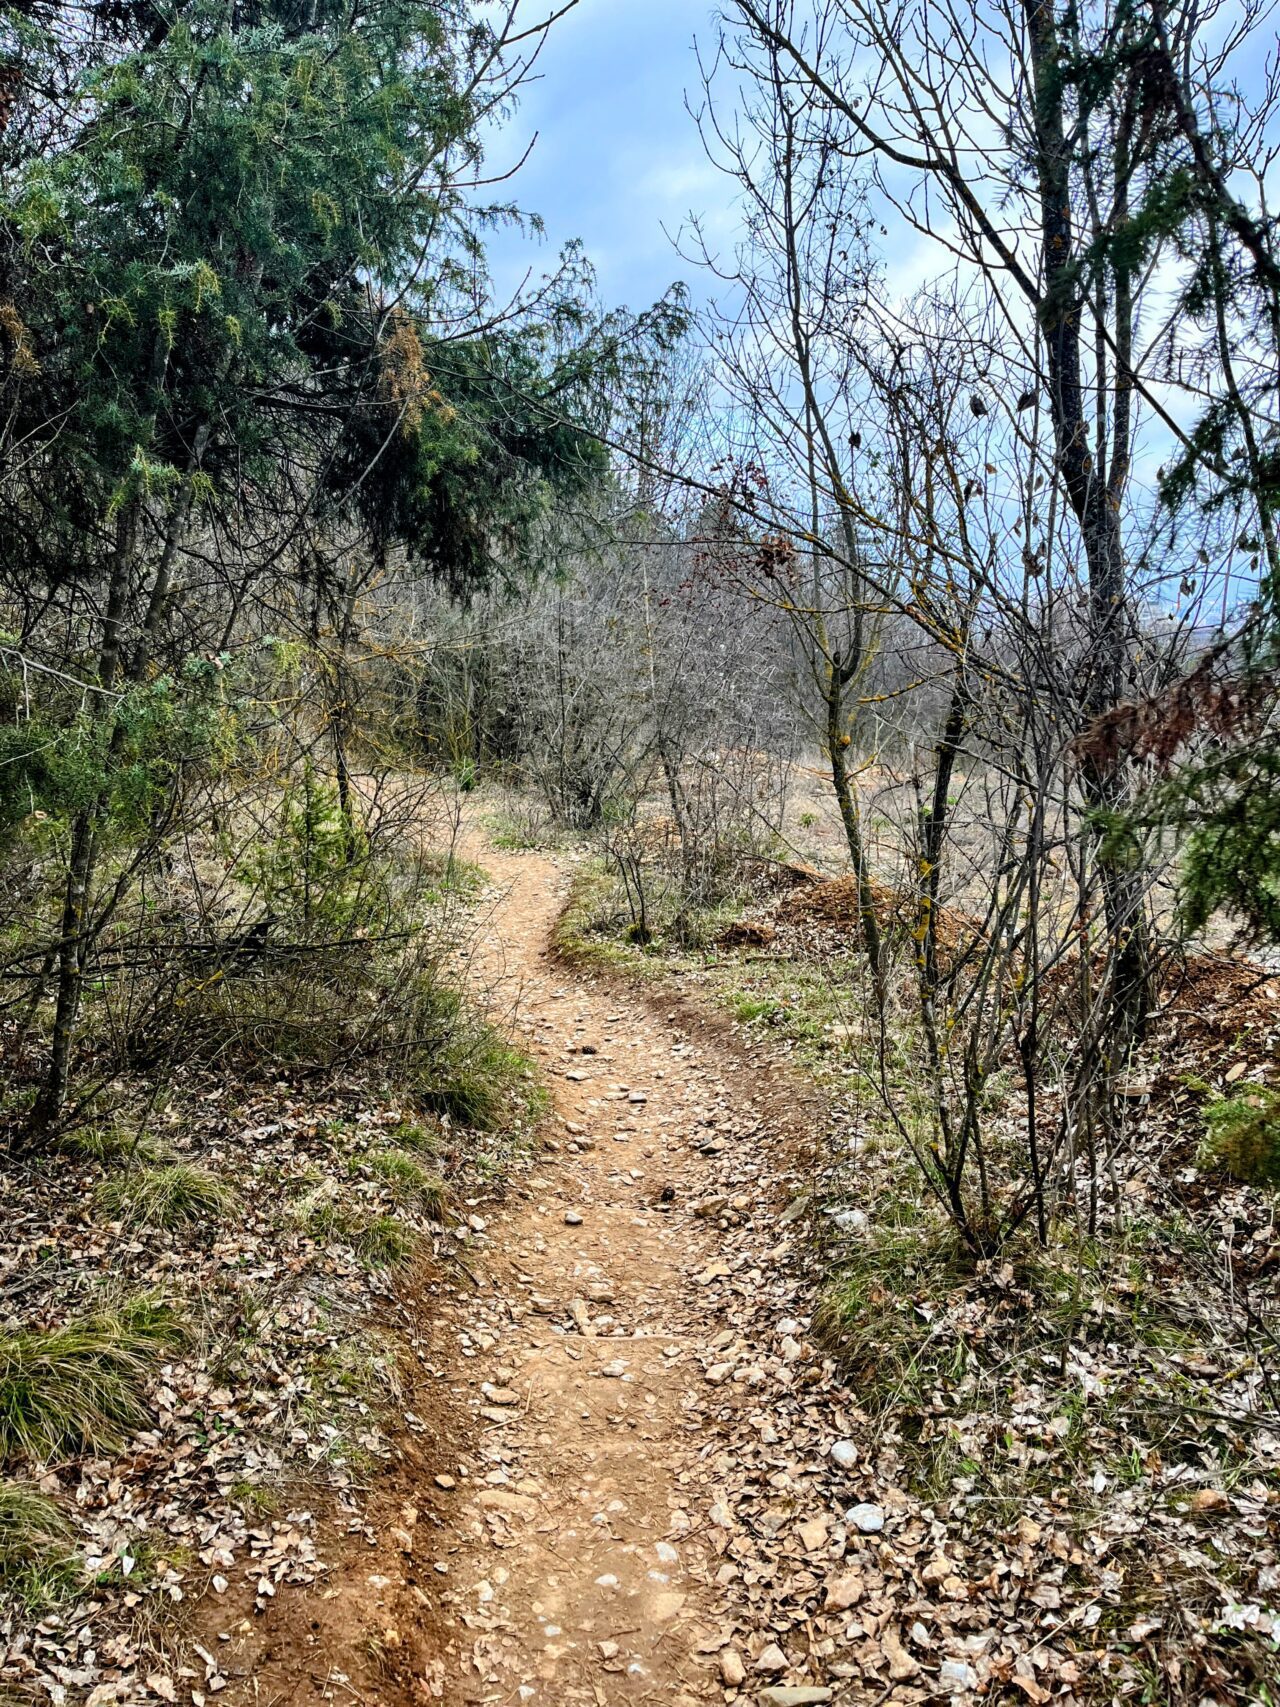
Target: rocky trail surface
(587, 1537)
(641, 1481)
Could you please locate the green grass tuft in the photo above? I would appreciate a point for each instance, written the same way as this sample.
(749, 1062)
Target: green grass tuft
(377, 1241)
(410, 1182)
(479, 1081)
(869, 1314)
(171, 1194)
(82, 1385)
(37, 1565)
(747, 1007)
(421, 1140)
(384, 1242)
(451, 875)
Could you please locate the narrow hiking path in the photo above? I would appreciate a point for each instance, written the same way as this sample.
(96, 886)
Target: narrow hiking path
(580, 1550)
(625, 1461)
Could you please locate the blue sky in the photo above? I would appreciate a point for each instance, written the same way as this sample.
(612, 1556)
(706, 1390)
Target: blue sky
(617, 156)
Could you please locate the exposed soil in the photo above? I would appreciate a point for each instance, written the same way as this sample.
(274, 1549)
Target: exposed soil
(546, 1537)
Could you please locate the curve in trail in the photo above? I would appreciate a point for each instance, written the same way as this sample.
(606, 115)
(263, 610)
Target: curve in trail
(578, 1555)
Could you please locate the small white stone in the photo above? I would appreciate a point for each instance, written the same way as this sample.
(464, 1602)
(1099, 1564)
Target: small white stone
(868, 1518)
(957, 1675)
(771, 1659)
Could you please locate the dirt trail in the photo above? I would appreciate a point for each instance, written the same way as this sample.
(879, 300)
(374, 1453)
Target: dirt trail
(576, 1569)
(602, 1388)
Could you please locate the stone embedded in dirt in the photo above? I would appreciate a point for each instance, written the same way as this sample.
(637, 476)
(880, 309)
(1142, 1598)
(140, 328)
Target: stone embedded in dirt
(500, 1395)
(637, 1097)
(445, 1482)
(794, 1695)
(664, 1607)
(572, 1218)
(709, 1207)
(581, 1317)
(771, 1658)
(719, 1373)
(845, 1591)
(845, 1454)
(502, 1499)
(868, 1518)
(850, 1220)
(732, 1671)
(614, 1371)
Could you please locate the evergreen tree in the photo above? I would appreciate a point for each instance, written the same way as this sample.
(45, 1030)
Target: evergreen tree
(241, 298)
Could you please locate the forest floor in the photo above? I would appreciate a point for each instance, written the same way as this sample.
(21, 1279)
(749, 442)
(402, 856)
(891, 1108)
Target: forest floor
(613, 1458)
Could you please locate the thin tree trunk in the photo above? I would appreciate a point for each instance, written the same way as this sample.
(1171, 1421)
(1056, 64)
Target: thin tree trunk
(76, 934)
(1096, 501)
(851, 819)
